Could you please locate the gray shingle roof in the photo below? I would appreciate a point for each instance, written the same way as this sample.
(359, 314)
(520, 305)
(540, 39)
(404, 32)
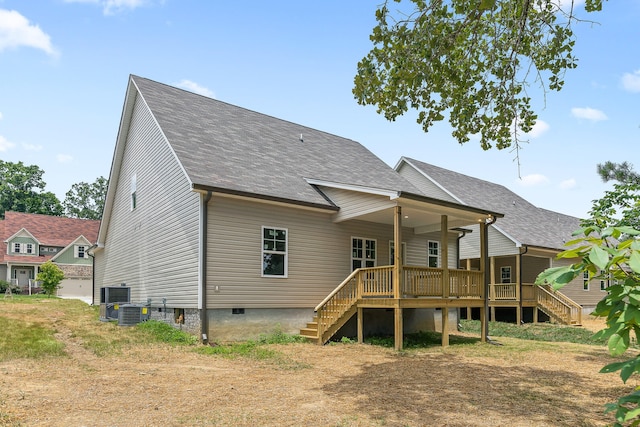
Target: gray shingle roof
(522, 220)
(227, 147)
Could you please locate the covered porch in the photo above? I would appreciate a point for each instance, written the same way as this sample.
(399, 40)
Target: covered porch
(400, 286)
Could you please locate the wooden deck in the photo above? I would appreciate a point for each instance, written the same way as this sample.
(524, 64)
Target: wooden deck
(424, 287)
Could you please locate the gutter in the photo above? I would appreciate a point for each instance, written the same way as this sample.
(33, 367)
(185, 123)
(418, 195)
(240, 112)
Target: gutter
(204, 318)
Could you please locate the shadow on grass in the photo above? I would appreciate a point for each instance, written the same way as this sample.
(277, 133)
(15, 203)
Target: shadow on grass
(450, 389)
(421, 340)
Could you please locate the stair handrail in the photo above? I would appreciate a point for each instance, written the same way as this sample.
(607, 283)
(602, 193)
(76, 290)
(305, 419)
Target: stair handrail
(570, 305)
(337, 289)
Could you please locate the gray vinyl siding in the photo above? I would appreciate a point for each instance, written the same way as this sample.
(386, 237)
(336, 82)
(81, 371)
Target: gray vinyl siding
(319, 252)
(154, 248)
(425, 185)
(353, 203)
(499, 244)
(575, 291)
(532, 266)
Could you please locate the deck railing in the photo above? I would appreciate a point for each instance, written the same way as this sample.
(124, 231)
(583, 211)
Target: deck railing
(558, 305)
(503, 292)
(377, 282)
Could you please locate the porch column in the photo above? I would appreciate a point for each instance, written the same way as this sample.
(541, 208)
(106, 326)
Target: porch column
(397, 277)
(444, 260)
(484, 259)
(468, 308)
(518, 291)
(397, 253)
(492, 287)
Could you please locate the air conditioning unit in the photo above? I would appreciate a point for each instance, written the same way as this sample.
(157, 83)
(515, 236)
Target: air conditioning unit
(111, 298)
(109, 311)
(132, 314)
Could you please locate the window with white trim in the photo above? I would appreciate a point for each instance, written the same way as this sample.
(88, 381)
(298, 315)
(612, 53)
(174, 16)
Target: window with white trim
(433, 254)
(505, 274)
(81, 251)
(604, 281)
(392, 253)
(274, 252)
(363, 253)
(16, 248)
(585, 281)
(29, 248)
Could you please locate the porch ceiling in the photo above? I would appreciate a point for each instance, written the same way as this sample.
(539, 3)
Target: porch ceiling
(425, 217)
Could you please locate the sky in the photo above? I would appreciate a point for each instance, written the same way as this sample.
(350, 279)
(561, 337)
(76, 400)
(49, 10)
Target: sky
(65, 64)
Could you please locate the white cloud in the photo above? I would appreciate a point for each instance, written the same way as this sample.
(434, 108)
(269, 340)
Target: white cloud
(5, 145)
(64, 158)
(533, 180)
(16, 31)
(566, 5)
(538, 129)
(32, 147)
(588, 114)
(196, 88)
(631, 81)
(568, 184)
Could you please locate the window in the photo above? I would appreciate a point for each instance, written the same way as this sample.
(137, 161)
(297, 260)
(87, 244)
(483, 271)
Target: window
(16, 248)
(29, 248)
(274, 252)
(604, 281)
(134, 186)
(433, 254)
(81, 252)
(392, 252)
(585, 281)
(505, 274)
(363, 253)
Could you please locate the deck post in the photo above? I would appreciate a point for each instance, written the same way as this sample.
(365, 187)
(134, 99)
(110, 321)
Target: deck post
(397, 330)
(484, 258)
(360, 326)
(397, 277)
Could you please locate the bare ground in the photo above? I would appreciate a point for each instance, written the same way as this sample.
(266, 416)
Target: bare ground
(518, 383)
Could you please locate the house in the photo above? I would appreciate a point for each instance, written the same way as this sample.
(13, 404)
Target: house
(235, 222)
(521, 245)
(29, 240)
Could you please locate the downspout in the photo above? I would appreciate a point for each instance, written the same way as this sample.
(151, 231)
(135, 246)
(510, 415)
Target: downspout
(460, 236)
(93, 272)
(204, 318)
(487, 273)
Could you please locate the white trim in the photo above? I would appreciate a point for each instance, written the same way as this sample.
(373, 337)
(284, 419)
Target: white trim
(439, 260)
(392, 194)
(285, 253)
(421, 172)
(364, 251)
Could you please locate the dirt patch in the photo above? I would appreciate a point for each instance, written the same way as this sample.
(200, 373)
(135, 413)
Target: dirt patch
(518, 383)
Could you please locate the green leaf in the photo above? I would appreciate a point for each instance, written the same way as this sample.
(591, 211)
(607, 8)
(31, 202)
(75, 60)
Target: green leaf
(599, 257)
(618, 344)
(634, 261)
(556, 276)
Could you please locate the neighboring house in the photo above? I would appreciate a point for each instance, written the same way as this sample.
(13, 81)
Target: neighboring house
(521, 245)
(237, 223)
(29, 240)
